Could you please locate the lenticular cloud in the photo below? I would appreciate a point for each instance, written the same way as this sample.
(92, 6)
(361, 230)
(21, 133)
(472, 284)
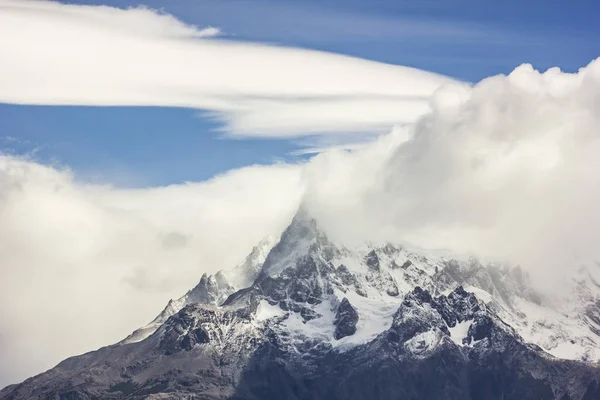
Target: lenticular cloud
(145, 58)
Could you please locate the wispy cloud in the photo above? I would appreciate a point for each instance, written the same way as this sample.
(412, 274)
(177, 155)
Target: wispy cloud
(76, 55)
(319, 143)
(16, 146)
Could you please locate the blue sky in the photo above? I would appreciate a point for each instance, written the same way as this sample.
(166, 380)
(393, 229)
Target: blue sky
(146, 146)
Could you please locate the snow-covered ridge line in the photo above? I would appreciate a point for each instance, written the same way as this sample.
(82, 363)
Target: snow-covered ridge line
(374, 317)
(305, 276)
(212, 289)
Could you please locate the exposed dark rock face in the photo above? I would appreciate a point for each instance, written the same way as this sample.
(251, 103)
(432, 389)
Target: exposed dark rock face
(372, 261)
(345, 321)
(480, 329)
(204, 353)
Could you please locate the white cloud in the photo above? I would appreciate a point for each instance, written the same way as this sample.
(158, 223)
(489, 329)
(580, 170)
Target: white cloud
(81, 266)
(68, 54)
(508, 168)
(140, 21)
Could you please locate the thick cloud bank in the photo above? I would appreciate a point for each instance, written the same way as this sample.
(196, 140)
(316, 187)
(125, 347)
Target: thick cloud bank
(508, 168)
(90, 55)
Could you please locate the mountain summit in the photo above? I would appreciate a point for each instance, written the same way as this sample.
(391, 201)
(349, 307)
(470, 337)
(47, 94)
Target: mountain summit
(305, 318)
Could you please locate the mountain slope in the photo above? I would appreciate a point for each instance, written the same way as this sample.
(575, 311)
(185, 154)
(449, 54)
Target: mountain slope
(310, 319)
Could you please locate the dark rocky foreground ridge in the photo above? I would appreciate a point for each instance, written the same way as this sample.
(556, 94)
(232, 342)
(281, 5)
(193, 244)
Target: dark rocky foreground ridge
(304, 329)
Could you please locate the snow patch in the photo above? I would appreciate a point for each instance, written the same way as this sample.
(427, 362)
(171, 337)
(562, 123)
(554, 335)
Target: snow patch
(375, 315)
(267, 311)
(321, 327)
(460, 331)
(424, 341)
(569, 350)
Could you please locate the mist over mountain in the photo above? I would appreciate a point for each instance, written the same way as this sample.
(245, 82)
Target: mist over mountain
(503, 169)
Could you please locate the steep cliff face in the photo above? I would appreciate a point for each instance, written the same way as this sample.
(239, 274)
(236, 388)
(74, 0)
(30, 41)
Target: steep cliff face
(305, 318)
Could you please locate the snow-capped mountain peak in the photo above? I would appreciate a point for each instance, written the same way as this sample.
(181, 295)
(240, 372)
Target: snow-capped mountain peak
(302, 311)
(306, 275)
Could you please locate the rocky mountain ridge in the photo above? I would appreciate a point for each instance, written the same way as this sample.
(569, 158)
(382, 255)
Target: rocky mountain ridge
(305, 318)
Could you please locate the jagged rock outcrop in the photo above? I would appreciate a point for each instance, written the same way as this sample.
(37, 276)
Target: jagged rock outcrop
(345, 321)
